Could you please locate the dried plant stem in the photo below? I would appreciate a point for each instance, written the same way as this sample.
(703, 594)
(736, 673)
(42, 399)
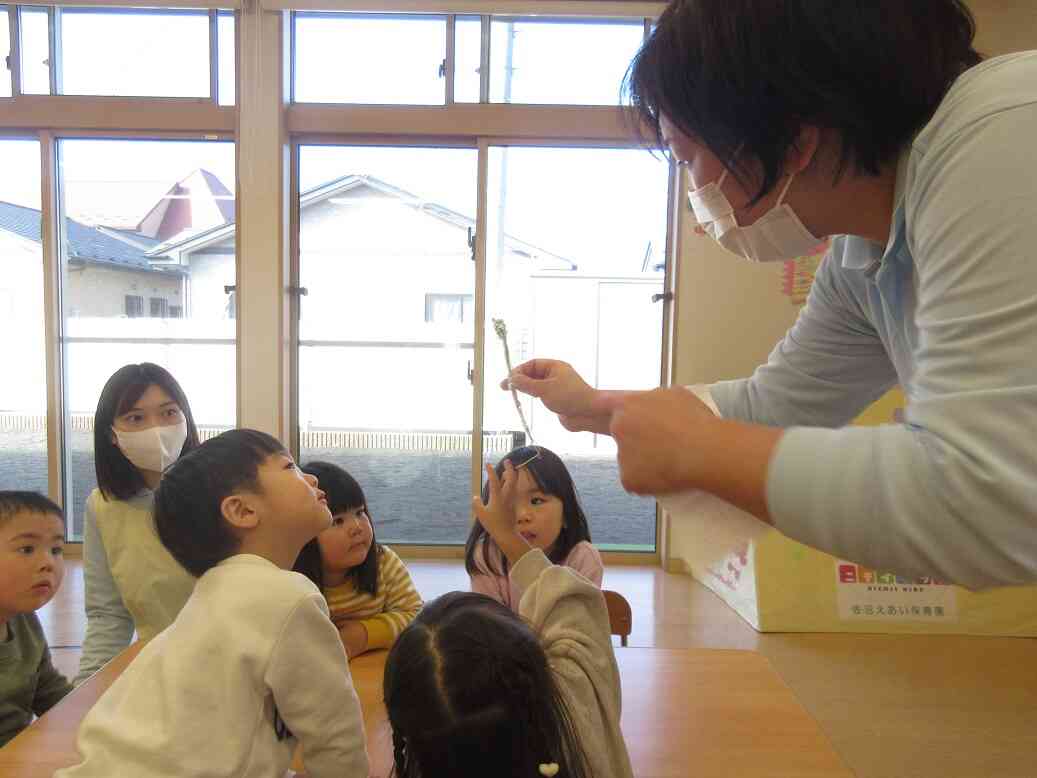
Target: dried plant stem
(502, 333)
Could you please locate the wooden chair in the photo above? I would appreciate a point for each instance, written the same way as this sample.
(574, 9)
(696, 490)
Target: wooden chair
(621, 619)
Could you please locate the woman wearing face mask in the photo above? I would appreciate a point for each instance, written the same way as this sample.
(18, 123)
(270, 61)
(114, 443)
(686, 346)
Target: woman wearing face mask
(142, 425)
(877, 124)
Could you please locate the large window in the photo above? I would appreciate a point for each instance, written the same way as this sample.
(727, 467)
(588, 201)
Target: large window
(384, 386)
(572, 269)
(127, 52)
(402, 59)
(23, 388)
(148, 226)
(358, 323)
(370, 58)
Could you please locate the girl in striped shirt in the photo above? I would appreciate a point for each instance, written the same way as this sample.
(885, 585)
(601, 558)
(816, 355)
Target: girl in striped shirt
(370, 593)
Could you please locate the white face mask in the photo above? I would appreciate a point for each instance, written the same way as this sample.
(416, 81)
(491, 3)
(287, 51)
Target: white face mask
(155, 448)
(775, 236)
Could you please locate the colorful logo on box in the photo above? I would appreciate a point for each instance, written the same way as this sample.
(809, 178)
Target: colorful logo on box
(857, 574)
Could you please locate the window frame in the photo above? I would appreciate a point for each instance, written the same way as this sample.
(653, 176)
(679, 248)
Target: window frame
(272, 127)
(55, 45)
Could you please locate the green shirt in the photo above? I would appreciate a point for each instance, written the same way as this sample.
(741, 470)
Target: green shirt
(29, 683)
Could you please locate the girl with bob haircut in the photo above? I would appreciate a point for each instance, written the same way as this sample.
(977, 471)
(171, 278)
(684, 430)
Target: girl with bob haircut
(549, 517)
(143, 423)
(370, 593)
(471, 688)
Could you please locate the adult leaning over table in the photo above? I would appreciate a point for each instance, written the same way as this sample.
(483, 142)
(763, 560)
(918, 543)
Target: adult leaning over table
(877, 124)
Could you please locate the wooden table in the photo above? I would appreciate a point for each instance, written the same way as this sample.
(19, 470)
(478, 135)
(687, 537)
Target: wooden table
(698, 712)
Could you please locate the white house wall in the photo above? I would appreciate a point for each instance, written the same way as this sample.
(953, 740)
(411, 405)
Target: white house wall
(210, 272)
(21, 326)
(367, 263)
(92, 290)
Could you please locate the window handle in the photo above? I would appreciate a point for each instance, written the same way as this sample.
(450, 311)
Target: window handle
(228, 288)
(667, 296)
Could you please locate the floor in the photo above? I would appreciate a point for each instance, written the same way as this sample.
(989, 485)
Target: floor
(952, 707)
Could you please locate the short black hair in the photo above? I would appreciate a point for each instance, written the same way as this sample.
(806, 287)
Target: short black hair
(469, 692)
(343, 493)
(743, 77)
(551, 477)
(188, 517)
(117, 477)
(12, 502)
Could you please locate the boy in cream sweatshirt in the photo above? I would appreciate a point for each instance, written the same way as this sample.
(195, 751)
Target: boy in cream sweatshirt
(252, 665)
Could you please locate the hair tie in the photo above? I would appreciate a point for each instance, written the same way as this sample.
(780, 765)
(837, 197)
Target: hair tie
(550, 769)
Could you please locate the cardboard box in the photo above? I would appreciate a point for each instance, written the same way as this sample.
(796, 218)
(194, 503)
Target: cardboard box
(779, 585)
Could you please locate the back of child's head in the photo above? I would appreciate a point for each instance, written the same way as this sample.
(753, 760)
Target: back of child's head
(188, 501)
(117, 477)
(17, 501)
(469, 693)
(551, 477)
(343, 494)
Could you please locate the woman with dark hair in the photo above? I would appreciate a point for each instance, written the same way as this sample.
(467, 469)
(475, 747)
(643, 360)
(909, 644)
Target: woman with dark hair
(142, 425)
(878, 124)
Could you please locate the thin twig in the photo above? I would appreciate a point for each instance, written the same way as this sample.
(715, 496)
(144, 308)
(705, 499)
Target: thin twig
(502, 332)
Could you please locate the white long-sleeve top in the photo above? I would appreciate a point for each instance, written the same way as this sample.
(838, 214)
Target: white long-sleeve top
(251, 655)
(569, 614)
(947, 309)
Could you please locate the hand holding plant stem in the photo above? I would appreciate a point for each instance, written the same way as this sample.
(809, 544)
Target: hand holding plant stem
(502, 332)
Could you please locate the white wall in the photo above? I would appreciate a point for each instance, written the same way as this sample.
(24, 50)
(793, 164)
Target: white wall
(210, 271)
(23, 387)
(92, 290)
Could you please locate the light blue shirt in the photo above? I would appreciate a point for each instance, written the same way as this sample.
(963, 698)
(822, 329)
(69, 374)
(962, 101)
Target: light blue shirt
(947, 309)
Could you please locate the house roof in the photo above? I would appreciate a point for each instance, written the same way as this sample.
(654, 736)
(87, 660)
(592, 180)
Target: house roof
(336, 187)
(86, 244)
(196, 202)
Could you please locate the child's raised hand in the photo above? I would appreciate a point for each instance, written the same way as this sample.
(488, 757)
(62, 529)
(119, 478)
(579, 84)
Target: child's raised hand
(498, 516)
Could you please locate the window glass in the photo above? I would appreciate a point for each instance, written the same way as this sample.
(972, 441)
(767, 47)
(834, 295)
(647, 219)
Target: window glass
(467, 56)
(127, 53)
(35, 50)
(574, 62)
(370, 58)
(23, 389)
(387, 332)
(571, 269)
(5, 50)
(148, 226)
(227, 56)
